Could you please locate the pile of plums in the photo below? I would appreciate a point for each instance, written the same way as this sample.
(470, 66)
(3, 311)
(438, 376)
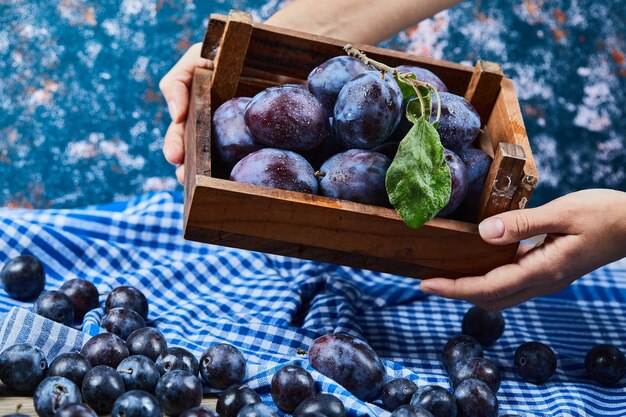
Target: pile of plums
(337, 135)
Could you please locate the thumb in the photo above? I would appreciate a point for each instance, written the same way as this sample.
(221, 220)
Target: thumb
(516, 225)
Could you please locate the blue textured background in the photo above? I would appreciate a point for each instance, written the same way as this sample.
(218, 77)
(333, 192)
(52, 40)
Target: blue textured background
(82, 121)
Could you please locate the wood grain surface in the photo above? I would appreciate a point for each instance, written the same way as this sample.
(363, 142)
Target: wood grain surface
(8, 404)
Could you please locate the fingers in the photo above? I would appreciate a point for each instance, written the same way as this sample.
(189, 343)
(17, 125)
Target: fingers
(541, 270)
(180, 174)
(175, 84)
(496, 284)
(519, 297)
(516, 225)
(173, 145)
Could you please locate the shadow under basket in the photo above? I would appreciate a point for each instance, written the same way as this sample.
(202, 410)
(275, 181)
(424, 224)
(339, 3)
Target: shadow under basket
(249, 57)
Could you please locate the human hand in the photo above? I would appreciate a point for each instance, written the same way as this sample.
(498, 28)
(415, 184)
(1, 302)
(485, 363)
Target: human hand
(585, 230)
(175, 87)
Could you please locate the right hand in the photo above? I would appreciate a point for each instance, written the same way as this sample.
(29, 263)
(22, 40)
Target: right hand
(175, 87)
(585, 230)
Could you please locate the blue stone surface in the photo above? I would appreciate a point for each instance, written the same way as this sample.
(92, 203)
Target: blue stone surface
(82, 120)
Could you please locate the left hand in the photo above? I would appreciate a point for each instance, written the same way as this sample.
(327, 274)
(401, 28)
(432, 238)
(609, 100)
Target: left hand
(175, 87)
(585, 230)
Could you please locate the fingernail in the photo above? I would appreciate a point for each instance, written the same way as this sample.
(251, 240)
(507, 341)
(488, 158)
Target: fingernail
(491, 228)
(173, 109)
(429, 288)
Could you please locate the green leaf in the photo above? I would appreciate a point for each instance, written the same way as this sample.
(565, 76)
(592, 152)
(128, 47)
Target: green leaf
(418, 180)
(407, 89)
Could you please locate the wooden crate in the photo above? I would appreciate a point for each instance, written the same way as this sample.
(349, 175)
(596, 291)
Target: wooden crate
(249, 57)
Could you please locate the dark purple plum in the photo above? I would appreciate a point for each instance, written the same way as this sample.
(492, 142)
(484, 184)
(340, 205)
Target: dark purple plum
(72, 366)
(83, 294)
(438, 400)
(288, 118)
(23, 277)
(356, 175)
(424, 75)
(477, 163)
(148, 342)
(22, 367)
(257, 410)
(122, 322)
(136, 403)
(56, 306)
(459, 123)
(350, 362)
(326, 80)
(458, 175)
(329, 147)
(320, 404)
(177, 358)
(367, 110)
(53, 393)
(302, 86)
(200, 412)
(234, 398)
(222, 365)
(278, 169)
(178, 391)
(290, 386)
(605, 364)
(474, 398)
(76, 410)
(101, 387)
(476, 368)
(105, 349)
(404, 125)
(535, 362)
(231, 138)
(484, 326)
(397, 392)
(459, 348)
(139, 373)
(409, 410)
(128, 297)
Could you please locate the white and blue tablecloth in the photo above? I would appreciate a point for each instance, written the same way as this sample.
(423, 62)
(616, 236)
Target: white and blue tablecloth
(270, 306)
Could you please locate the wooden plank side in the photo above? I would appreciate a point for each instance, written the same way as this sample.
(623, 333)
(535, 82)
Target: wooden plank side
(197, 134)
(9, 402)
(230, 58)
(300, 251)
(365, 235)
(503, 180)
(484, 88)
(295, 54)
(213, 36)
(506, 124)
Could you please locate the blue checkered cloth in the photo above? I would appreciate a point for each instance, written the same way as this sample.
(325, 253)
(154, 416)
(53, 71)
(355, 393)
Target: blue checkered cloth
(270, 306)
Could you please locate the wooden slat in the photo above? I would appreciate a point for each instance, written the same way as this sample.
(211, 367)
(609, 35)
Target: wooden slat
(213, 36)
(294, 54)
(503, 180)
(506, 124)
(8, 404)
(197, 133)
(230, 58)
(484, 88)
(329, 230)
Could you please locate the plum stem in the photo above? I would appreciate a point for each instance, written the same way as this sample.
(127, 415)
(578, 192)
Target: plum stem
(404, 77)
(319, 174)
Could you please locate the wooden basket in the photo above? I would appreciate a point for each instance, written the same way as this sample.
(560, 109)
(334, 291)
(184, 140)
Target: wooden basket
(249, 57)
